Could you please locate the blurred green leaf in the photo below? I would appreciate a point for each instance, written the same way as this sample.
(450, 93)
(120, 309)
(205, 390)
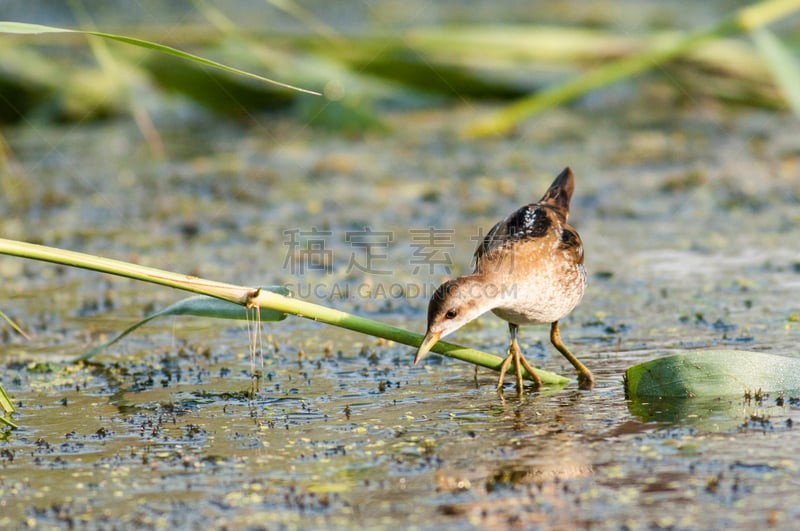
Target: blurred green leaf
(749, 18)
(42, 367)
(13, 325)
(218, 91)
(419, 70)
(34, 29)
(5, 402)
(783, 65)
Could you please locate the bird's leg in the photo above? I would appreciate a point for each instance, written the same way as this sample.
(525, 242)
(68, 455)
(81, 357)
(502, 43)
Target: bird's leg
(515, 350)
(585, 378)
(519, 359)
(535, 377)
(503, 369)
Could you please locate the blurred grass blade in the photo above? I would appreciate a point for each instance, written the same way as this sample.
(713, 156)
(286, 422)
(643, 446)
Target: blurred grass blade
(749, 18)
(8, 407)
(783, 65)
(349, 99)
(712, 373)
(5, 402)
(308, 18)
(116, 70)
(503, 121)
(198, 306)
(14, 325)
(759, 14)
(35, 29)
(261, 298)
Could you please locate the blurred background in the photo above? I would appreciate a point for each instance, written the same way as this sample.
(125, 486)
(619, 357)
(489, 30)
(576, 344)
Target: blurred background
(435, 120)
(365, 57)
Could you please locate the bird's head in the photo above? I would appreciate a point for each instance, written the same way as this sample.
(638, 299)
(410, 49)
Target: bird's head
(453, 304)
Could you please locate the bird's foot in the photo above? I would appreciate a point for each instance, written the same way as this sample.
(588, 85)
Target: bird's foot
(537, 382)
(503, 370)
(585, 380)
(520, 364)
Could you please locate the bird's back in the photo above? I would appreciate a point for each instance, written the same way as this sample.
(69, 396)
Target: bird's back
(536, 220)
(536, 258)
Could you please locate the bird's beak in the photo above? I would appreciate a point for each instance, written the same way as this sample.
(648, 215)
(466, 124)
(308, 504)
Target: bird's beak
(431, 338)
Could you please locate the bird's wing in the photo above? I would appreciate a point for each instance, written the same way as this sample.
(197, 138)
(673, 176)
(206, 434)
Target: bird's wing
(530, 221)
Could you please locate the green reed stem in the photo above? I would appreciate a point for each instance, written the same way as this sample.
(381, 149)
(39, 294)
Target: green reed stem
(254, 297)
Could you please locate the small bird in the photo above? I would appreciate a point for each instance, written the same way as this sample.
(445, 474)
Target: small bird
(528, 270)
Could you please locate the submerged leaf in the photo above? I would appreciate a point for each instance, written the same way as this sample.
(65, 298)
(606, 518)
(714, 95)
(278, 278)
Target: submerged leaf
(199, 306)
(713, 373)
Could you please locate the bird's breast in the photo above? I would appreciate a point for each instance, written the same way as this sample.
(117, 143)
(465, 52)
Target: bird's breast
(544, 296)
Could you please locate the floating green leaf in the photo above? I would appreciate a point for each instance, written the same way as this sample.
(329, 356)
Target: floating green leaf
(713, 373)
(199, 306)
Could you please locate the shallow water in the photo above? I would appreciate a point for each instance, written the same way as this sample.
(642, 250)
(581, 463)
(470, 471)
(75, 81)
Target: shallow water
(689, 222)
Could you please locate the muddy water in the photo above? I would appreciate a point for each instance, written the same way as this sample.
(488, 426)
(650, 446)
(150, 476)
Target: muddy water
(690, 223)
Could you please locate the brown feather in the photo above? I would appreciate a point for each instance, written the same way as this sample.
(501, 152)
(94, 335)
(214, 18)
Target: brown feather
(533, 220)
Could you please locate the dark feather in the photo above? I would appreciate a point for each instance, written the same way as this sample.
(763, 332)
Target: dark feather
(560, 193)
(533, 220)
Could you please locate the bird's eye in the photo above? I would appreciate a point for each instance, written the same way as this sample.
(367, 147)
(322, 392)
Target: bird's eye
(451, 314)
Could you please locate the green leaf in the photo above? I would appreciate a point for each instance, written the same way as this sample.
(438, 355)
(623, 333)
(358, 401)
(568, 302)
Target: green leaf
(5, 402)
(13, 325)
(713, 373)
(42, 367)
(783, 65)
(35, 29)
(199, 306)
(8, 407)
(748, 18)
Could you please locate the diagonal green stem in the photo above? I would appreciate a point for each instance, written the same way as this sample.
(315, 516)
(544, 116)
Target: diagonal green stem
(220, 290)
(275, 301)
(26, 28)
(254, 297)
